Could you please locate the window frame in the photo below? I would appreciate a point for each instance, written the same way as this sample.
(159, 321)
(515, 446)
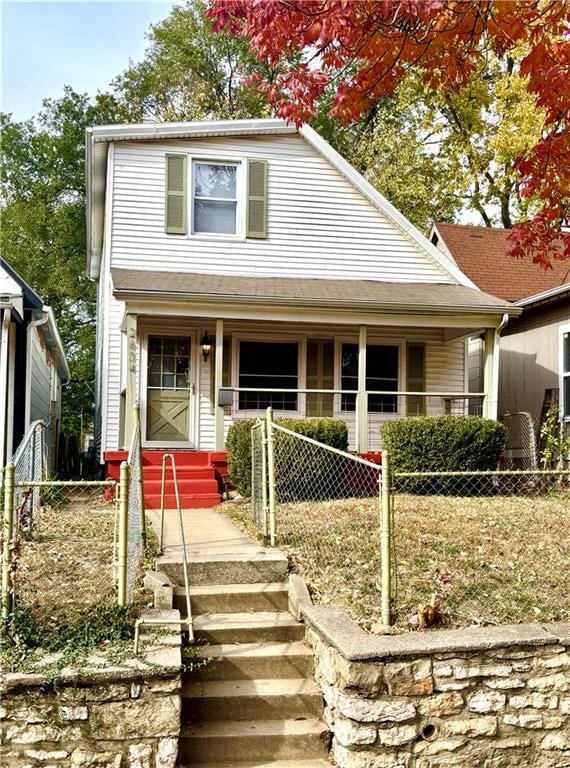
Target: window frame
(371, 341)
(282, 338)
(563, 375)
(241, 192)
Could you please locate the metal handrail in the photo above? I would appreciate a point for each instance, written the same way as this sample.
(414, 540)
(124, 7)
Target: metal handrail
(188, 620)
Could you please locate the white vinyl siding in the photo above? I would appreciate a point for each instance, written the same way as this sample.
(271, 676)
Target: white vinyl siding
(318, 224)
(113, 363)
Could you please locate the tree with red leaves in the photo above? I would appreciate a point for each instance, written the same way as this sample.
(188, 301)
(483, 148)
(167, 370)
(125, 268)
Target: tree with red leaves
(364, 48)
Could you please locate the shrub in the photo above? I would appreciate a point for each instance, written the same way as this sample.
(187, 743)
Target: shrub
(443, 444)
(238, 446)
(302, 469)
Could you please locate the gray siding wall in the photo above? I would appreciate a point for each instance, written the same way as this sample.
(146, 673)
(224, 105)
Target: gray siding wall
(530, 362)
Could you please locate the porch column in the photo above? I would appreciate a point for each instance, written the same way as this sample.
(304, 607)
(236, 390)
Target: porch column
(131, 398)
(362, 397)
(5, 407)
(218, 369)
(491, 373)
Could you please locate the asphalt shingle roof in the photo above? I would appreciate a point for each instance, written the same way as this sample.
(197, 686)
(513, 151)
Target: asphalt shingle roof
(310, 292)
(482, 254)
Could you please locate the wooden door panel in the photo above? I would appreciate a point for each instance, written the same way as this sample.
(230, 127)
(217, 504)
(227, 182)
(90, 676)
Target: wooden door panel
(167, 415)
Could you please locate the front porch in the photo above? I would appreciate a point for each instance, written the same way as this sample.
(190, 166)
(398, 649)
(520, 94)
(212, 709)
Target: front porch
(193, 377)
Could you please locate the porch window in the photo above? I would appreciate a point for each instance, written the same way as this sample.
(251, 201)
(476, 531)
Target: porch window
(382, 366)
(215, 198)
(268, 365)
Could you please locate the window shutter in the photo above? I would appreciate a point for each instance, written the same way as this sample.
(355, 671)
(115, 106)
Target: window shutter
(175, 216)
(257, 199)
(416, 379)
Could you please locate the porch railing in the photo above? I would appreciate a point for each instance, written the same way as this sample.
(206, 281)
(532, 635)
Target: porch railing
(342, 402)
(345, 404)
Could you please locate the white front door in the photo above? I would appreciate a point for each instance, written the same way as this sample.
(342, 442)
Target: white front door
(169, 385)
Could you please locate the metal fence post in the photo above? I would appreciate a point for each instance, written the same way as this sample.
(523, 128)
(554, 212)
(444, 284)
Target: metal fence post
(264, 498)
(137, 420)
(123, 534)
(385, 535)
(8, 534)
(271, 476)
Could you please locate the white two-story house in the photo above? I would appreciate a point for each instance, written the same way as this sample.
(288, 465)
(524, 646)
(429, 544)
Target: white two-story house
(246, 264)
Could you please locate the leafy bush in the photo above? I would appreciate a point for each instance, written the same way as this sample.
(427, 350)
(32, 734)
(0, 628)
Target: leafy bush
(238, 444)
(304, 471)
(443, 444)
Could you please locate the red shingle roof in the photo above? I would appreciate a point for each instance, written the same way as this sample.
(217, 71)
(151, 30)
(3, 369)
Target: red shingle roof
(481, 253)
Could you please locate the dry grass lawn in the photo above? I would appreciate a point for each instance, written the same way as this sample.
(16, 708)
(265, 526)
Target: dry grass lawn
(494, 560)
(67, 565)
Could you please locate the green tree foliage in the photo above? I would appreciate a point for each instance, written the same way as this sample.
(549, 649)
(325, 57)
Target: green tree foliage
(436, 153)
(190, 73)
(43, 225)
(483, 129)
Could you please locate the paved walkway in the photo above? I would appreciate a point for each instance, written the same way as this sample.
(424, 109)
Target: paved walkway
(207, 532)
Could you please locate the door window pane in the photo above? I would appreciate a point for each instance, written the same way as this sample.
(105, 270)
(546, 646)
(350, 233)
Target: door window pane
(165, 370)
(268, 365)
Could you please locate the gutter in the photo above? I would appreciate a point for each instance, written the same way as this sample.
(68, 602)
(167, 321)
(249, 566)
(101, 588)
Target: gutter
(213, 298)
(551, 293)
(54, 344)
(149, 131)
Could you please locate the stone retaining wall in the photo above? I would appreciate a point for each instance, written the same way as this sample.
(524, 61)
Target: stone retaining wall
(476, 698)
(120, 717)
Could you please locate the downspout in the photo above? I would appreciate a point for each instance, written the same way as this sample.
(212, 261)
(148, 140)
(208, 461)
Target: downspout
(6, 314)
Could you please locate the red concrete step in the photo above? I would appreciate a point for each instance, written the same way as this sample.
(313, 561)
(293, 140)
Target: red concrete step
(154, 472)
(181, 458)
(154, 487)
(187, 500)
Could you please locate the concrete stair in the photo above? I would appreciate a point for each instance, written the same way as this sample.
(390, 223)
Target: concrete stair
(255, 702)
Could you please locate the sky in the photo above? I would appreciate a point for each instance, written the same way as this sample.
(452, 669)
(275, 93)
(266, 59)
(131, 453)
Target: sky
(46, 45)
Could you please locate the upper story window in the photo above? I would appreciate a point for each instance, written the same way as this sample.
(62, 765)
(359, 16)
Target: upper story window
(215, 198)
(226, 198)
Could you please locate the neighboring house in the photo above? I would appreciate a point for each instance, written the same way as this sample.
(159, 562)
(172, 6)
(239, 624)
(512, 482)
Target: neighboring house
(33, 367)
(246, 264)
(535, 347)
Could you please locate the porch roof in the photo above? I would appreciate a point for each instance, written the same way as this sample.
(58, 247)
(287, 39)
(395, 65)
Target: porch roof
(290, 291)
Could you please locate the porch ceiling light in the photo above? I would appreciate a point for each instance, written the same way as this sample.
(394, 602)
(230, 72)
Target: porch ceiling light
(206, 346)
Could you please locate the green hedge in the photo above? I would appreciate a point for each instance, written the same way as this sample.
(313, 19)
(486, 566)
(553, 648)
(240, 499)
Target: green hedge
(238, 446)
(443, 444)
(301, 470)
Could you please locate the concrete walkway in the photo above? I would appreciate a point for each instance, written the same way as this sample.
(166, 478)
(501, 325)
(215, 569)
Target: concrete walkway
(209, 537)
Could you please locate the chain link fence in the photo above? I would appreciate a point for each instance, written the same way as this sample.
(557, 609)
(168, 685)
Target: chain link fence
(481, 547)
(136, 524)
(71, 546)
(259, 489)
(521, 448)
(453, 548)
(82, 536)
